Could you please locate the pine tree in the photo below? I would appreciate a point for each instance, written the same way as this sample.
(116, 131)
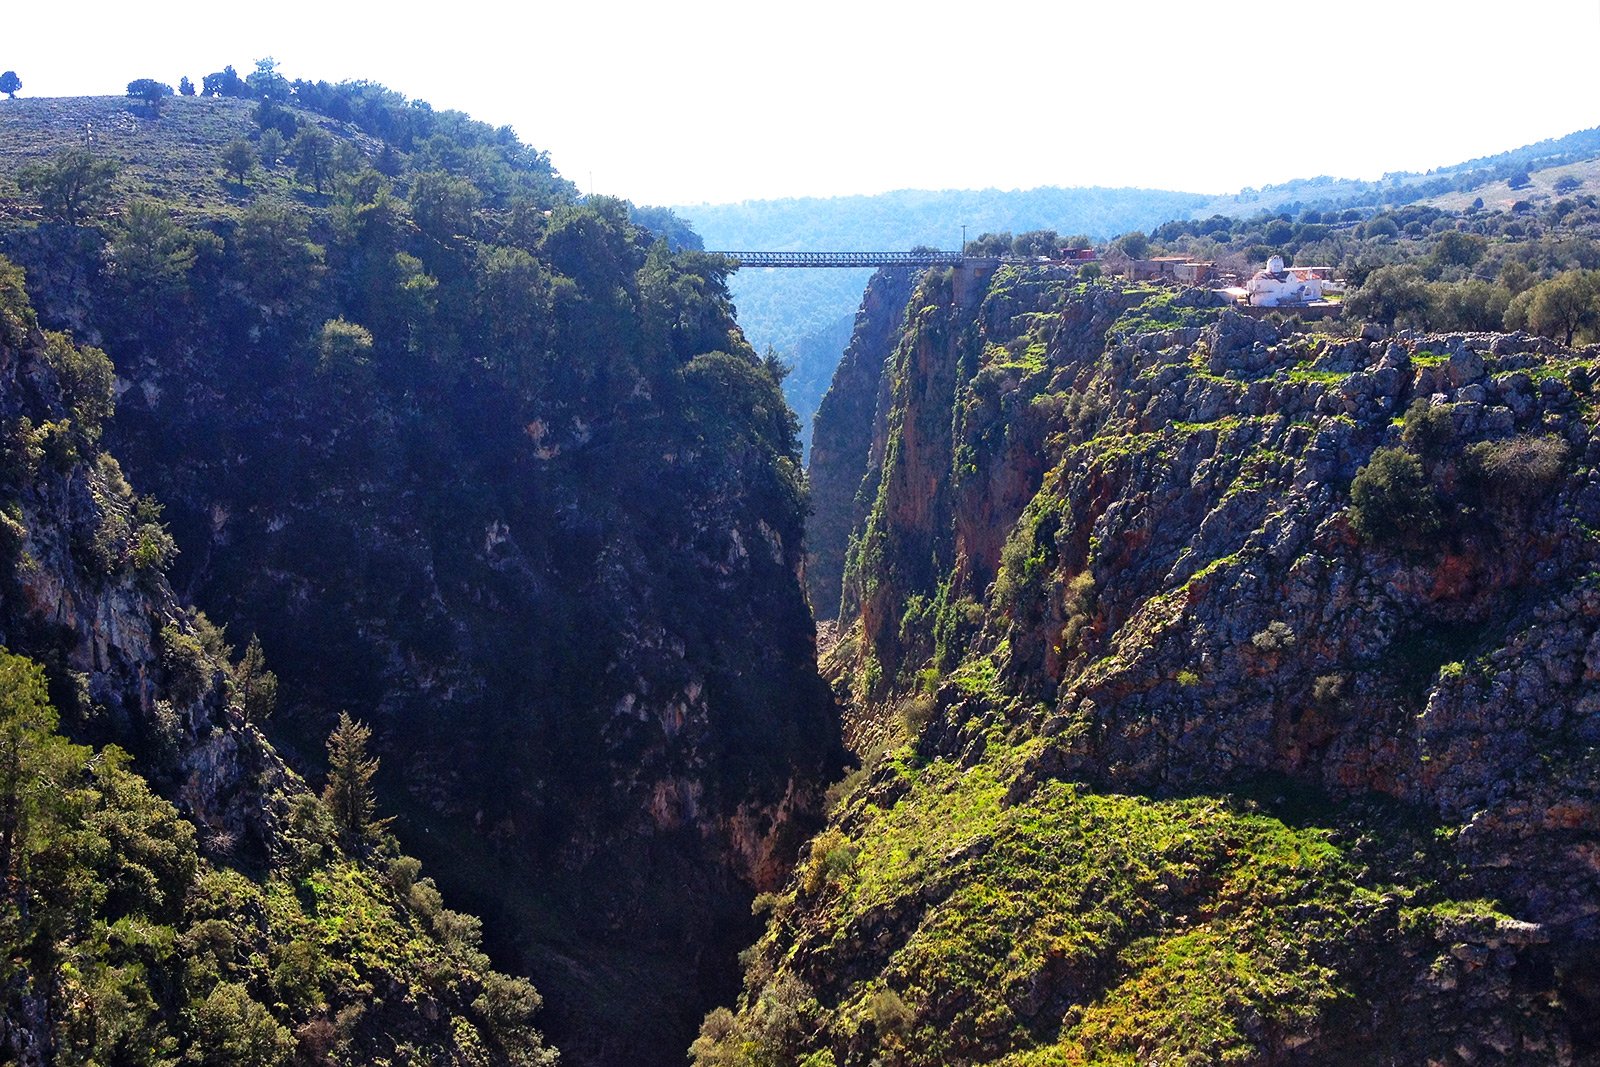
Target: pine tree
(348, 795)
(256, 687)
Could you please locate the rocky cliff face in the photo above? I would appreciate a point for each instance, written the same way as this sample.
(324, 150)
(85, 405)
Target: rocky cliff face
(848, 421)
(172, 888)
(86, 594)
(509, 484)
(1248, 686)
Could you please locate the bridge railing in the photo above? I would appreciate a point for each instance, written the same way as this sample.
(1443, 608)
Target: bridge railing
(845, 259)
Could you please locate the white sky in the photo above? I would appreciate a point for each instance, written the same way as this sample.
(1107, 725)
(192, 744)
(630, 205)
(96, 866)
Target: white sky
(724, 100)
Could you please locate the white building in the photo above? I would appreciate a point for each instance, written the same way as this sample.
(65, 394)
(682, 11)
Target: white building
(1280, 286)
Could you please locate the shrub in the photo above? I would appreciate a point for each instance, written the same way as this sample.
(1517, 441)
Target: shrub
(1428, 429)
(1521, 468)
(185, 663)
(889, 1012)
(1277, 636)
(916, 712)
(1391, 500)
(1329, 688)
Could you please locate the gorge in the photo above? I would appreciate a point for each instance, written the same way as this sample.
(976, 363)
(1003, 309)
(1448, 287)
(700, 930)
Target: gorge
(1190, 686)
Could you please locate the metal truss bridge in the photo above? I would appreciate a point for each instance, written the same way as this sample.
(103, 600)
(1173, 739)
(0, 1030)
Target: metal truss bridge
(847, 259)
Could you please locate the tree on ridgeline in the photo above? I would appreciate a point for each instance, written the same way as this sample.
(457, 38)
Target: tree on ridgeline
(225, 82)
(185, 86)
(265, 83)
(152, 92)
(10, 83)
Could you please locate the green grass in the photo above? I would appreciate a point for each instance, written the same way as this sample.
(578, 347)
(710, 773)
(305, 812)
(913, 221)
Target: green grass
(1078, 927)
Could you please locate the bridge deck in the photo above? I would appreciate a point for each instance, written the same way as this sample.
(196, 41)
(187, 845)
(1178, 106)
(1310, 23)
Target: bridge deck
(847, 259)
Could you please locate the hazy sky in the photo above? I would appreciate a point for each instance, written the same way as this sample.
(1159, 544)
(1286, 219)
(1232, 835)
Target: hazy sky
(706, 100)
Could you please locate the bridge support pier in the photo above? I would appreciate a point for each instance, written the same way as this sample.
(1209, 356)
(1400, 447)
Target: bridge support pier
(968, 278)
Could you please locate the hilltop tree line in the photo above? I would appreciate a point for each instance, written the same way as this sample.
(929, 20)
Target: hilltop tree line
(1534, 268)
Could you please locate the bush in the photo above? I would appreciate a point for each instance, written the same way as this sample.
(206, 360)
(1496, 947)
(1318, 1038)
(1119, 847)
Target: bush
(1428, 430)
(1278, 636)
(1391, 500)
(1520, 469)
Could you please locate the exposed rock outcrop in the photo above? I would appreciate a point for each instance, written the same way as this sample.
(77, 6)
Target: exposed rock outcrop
(849, 419)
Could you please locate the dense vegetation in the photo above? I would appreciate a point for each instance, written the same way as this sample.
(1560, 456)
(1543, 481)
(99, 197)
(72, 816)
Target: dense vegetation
(1532, 267)
(488, 466)
(131, 947)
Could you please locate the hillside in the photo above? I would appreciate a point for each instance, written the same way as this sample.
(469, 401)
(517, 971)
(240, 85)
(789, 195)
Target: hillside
(1224, 692)
(782, 308)
(1443, 186)
(486, 466)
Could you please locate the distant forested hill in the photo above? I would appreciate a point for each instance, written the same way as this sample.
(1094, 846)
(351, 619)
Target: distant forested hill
(1404, 187)
(790, 309)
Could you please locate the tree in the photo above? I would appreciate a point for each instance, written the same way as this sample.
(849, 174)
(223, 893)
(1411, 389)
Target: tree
(1457, 249)
(1389, 294)
(10, 83)
(225, 82)
(443, 204)
(185, 86)
(1520, 180)
(239, 159)
(150, 255)
(1560, 307)
(1564, 184)
(254, 685)
(313, 156)
(69, 185)
(1278, 232)
(152, 92)
(270, 147)
(1036, 243)
(1468, 305)
(348, 795)
(1391, 500)
(1134, 245)
(27, 723)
